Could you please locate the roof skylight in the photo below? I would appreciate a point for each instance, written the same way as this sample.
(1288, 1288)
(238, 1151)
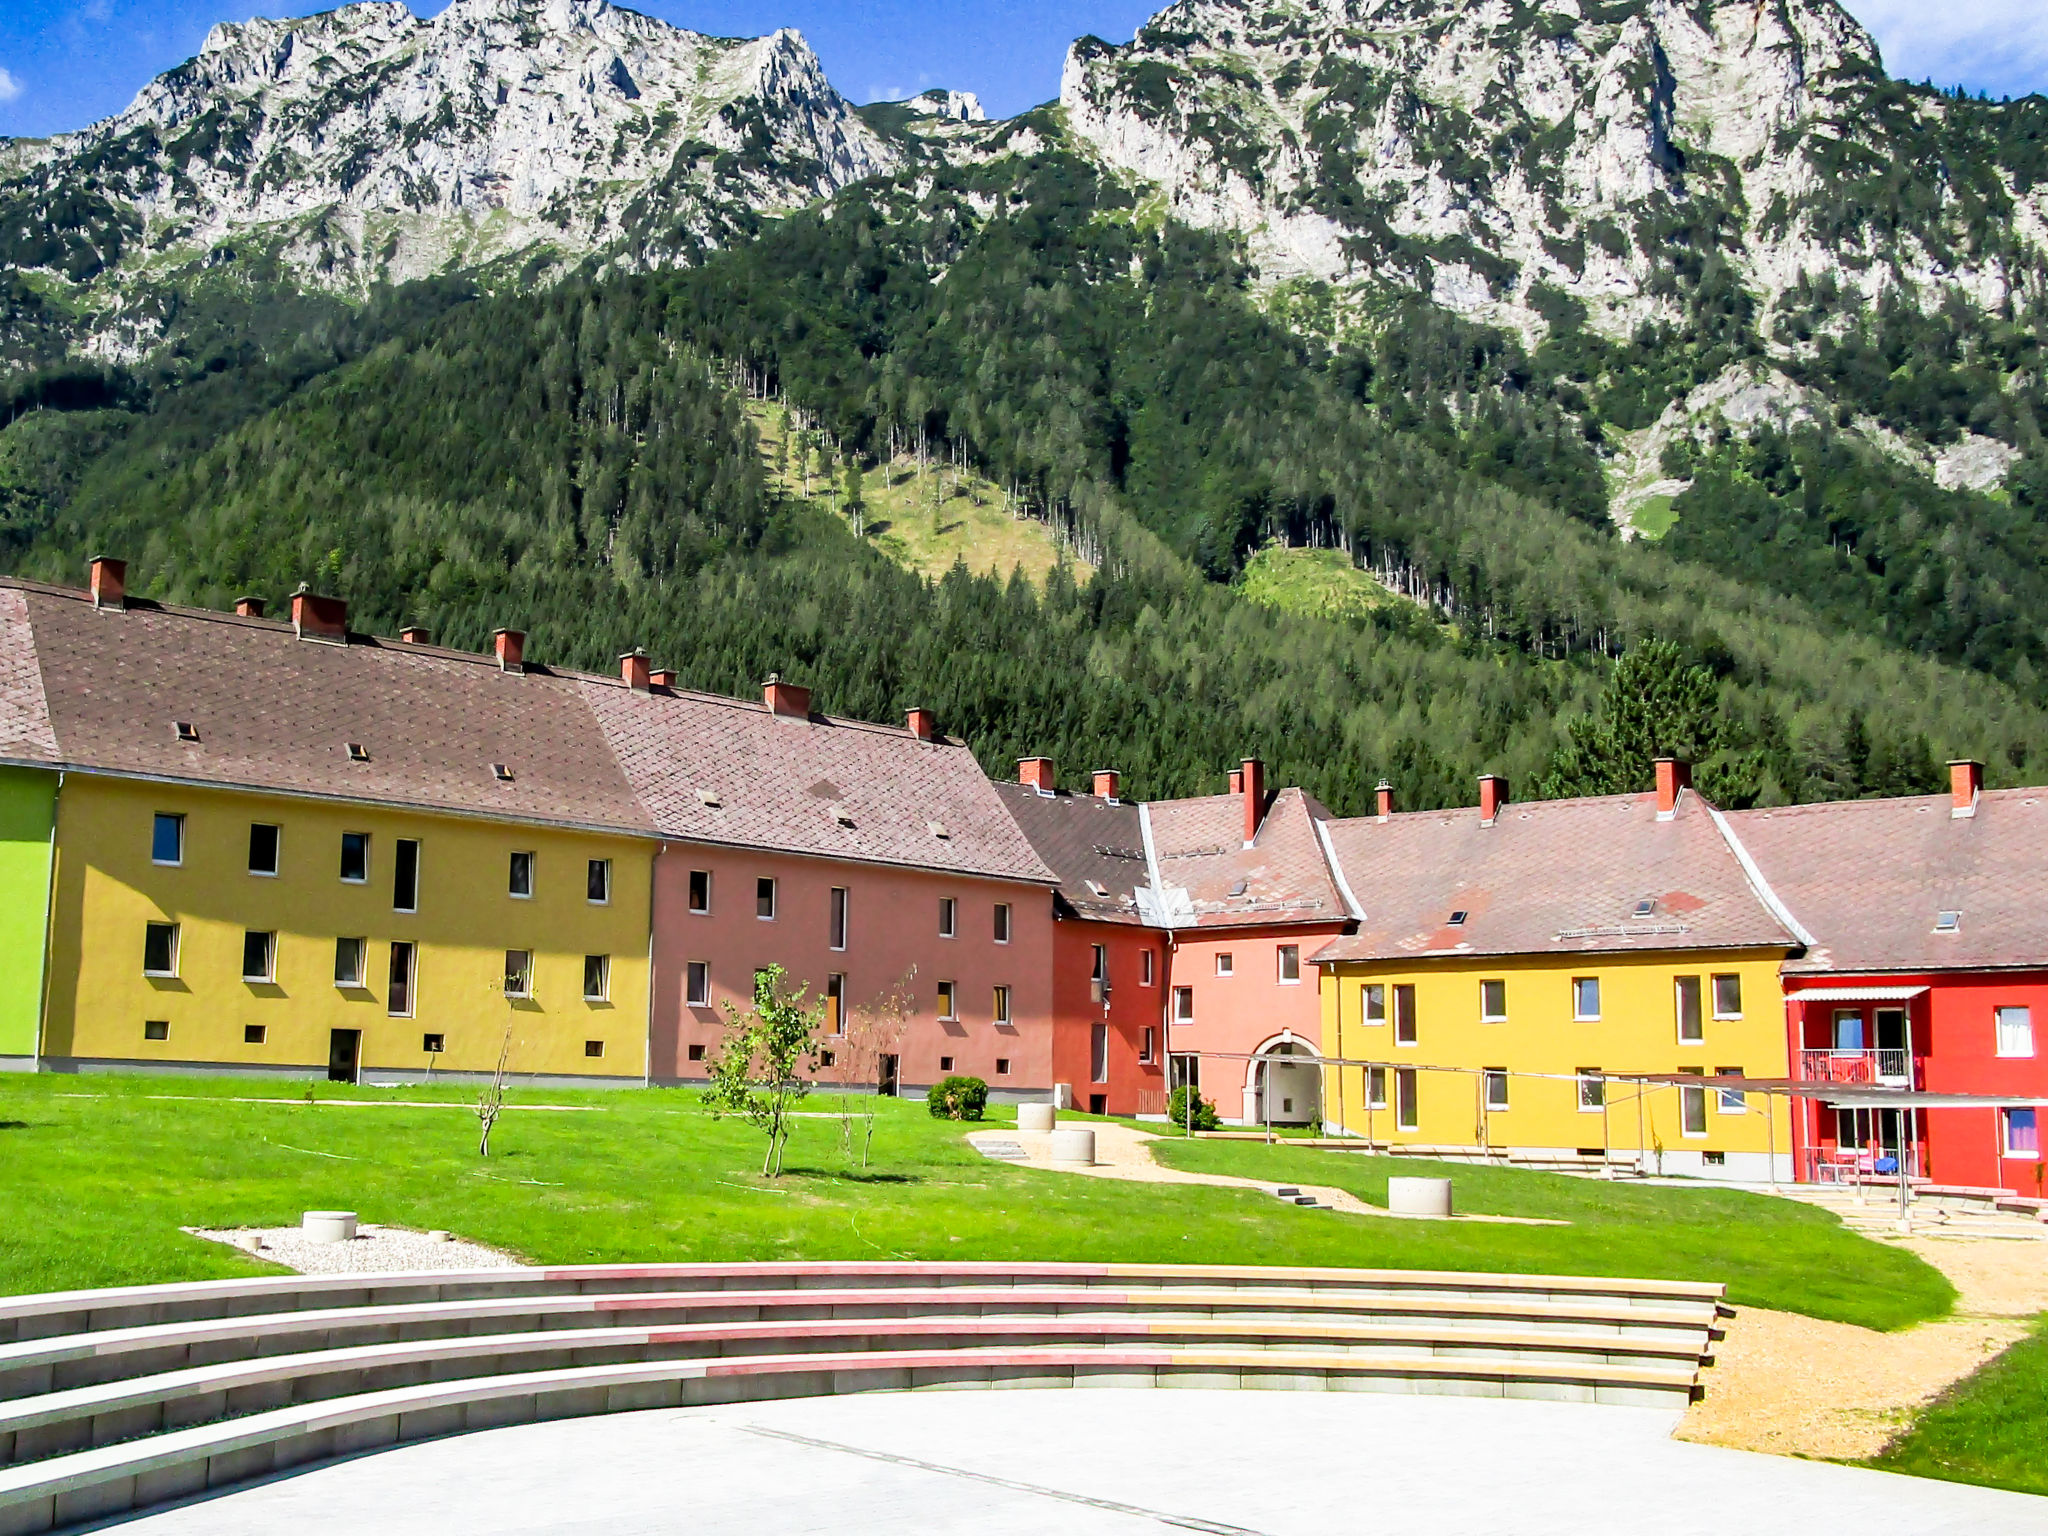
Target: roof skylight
(358, 753)
(1647, 907)
(1457, 919)
(938, 829)
(187, 731)
(1948, 922)
(710, 798)
(1240, 888)
(501, 773)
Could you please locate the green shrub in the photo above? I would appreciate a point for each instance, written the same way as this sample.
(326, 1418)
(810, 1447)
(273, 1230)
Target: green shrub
(1204, 1113)
(957, 1098)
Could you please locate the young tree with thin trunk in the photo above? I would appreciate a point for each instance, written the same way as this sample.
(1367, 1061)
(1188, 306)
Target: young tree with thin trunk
(760, 1072)
(491, 1102)
(873, 1030)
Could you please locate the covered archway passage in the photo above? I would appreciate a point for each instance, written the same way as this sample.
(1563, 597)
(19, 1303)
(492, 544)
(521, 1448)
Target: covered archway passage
(1284, 1085)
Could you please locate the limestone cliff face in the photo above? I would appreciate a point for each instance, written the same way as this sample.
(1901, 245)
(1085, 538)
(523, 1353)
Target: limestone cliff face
(365, 143)
(1475, 149)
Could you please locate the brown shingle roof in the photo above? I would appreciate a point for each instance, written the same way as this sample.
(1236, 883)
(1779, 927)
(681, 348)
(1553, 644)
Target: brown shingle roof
(1084, 838)
(1550, 877)
(25, 734)
(274, 712)
(720, 770)
(1200, 858)
(1867, 879)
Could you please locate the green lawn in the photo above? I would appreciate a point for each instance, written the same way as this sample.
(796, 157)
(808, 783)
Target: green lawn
(1985, 1429)
(1768, 1252)
(98, 1173)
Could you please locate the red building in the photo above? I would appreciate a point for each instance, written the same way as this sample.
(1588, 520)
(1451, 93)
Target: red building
(1925, 922)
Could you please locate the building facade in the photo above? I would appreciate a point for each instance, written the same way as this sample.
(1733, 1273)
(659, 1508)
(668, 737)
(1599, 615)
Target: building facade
(28, 809)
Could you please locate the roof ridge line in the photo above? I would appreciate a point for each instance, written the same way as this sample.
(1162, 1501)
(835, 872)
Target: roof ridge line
(1753, 873)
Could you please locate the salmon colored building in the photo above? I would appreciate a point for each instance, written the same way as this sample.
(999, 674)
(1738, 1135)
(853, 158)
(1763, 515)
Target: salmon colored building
(1925, 924)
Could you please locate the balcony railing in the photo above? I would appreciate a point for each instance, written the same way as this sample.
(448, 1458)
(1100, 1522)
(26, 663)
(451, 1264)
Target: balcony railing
(1856, 1068)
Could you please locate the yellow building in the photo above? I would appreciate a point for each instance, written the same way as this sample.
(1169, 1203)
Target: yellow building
(1514, 966)
(285, 847)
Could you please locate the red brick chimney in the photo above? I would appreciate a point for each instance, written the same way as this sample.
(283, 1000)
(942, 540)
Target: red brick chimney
(662, 677)
(510, 645)
(319, 618)
(633, 670)
(792, 699)
(415, 634)
(249, 607)
(109, 582)
(1383, 799)
(1107, 782)
(1673, 775)
(1036, 772)
(1493, 794)
(1253, 776)
(923, 724)
(1965, 784)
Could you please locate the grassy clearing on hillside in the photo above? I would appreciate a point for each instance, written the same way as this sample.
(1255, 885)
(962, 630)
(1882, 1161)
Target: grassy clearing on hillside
(1655, 517)
(1986, 1429)
(1768, 1252)
(102, 1171)
(1315, 583)
(927, 521)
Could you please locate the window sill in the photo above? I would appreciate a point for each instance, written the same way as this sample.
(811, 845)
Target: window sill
(263, 874)
(1493, 1019)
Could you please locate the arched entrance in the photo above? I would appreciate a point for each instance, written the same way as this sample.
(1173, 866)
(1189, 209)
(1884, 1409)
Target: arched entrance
(1285, 1086)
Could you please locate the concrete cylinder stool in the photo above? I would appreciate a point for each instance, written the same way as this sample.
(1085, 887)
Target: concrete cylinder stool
(328, 1226)
(1035, 1117)
(1074, 1145)
(1419, 1197)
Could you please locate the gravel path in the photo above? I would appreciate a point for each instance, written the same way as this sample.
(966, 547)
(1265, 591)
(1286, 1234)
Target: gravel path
(374, 1250)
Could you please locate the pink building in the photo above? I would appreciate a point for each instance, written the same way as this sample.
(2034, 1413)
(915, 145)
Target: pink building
(868, 861)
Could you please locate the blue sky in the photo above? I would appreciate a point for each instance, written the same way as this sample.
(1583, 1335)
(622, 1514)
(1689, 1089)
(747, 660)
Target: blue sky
(65, 63)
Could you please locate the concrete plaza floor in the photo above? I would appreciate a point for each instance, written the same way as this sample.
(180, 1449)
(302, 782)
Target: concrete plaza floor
(1095, 1463)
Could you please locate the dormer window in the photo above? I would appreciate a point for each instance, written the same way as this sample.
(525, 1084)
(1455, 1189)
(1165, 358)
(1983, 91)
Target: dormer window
(1948, 922)
(358, 753)
(187, 731)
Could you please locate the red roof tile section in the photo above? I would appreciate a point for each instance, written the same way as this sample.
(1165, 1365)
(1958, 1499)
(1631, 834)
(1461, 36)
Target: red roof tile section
(720, 770)
(1095, 848)
(25, 734)
(1208, 878)
(1869, 879)
(1550, 877)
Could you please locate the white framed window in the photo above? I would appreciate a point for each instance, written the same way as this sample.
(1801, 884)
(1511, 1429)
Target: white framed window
(167, 839)
(835, 1003)
(1183, 1005)
(519, 880)
(351, 958)
(1406, 1028)
(355, 858)
(597, 882)
(2015, 1027)
(700, 891)
(1692, 1107)
(1728, 997)
(1585, 998)
(1002, 1005)
(2022, 1127)
(949, 996)
(1148, 1043)
(597, 978)
(1407, 1093)
(764, 899)
(1733, 1100)
(1496, 1087)
(1226, 965)
(1376, 1087)
(1372, 1002)
(265, 844)
(835, 936)
(519, 973)
(1493, 1001)
(1692, 1029)
(399, 998)
(405, 875)
(697, 984)
(159, 949)
(1098, 973)
(1098, 1053)
(1145, 964)
(1002, 922)
(1290, 965)
(949, 917)
(1592, 1091)
(259, 956)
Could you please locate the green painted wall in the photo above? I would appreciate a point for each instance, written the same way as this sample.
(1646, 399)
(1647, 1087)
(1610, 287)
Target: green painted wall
(28, 802)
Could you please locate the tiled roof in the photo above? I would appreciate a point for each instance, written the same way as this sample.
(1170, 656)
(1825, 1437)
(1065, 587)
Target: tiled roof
(1085, 838)
(1208, 878)
(720, 770)
(1550, 877)
(1867, 878)
(25, 734)
(277, 713)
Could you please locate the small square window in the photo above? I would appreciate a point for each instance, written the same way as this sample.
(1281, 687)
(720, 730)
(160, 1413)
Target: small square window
(348, 961)
(519, 880)
(156, 1029)
(827, 1059)
(355, 857)
(263, 848)
(597, 978)
(1226, 965)
(700, 890)
(764, 899)
(1585, 997)
(1002, 1066)
(167, 839)
(2022, 1132)
(949, 917)
(433, 1045)
(696, 1053)
(2015, 1029)
(597, 885)
(259, 956)
(1592, 1090)
(1002, 922)
(593, 1048)
(1493, 1001)
(1727, 997)
(945, 1063)
(1733, 1101)
(1714, 1159)
(519, 973)
(253, 1034)
(697, 984)
(160, 949)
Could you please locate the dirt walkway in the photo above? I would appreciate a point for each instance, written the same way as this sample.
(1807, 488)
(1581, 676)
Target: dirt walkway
(1794, 1385)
